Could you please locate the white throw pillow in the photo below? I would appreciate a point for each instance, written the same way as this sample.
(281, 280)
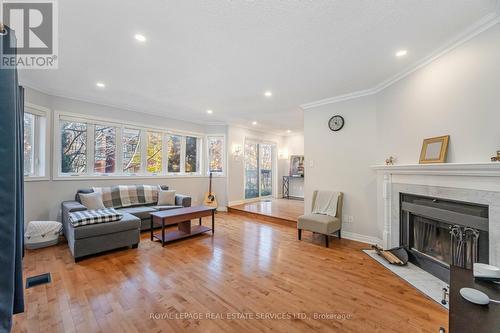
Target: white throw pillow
(92, 201)
(166, 198)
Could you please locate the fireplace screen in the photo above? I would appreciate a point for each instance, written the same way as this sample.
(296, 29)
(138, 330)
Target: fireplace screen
(432, 239)
(438, 233)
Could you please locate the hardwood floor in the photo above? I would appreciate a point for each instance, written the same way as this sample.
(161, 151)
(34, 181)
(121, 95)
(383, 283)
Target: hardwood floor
(274, 209)
(248, 268)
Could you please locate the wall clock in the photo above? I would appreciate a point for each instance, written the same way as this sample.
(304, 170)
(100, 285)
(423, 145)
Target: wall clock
(336, 123)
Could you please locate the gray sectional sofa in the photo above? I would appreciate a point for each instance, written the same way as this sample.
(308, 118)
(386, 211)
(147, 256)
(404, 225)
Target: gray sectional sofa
(91, 239)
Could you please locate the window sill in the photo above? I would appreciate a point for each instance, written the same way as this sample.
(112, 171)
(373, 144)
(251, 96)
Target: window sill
(122, 177)
(36, 178)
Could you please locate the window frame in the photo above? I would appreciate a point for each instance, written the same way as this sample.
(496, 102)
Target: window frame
(120, 126)
(224, 155)
(41, 140)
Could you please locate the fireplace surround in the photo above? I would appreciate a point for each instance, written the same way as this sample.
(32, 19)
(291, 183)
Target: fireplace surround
(438, 233)
(473, 183)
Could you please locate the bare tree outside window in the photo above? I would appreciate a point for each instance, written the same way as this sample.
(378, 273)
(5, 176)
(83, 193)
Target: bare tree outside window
(266, 169)
(154, 152)
(105, 149)
(174, 153)
(215, 154)
(73, 147)
(191, 154)
(29, 142)
(131, 150)
(251, 170)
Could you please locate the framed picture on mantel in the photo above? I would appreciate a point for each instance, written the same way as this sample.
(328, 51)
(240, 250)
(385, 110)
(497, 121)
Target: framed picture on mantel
(434, 150)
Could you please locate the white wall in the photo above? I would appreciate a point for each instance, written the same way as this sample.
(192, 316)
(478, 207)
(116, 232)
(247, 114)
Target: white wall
(43, 198)
(458, 94)
(339, 160)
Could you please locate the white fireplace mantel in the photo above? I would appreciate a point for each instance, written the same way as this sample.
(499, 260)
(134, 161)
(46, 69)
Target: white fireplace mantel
(489, 169)
(469, 182)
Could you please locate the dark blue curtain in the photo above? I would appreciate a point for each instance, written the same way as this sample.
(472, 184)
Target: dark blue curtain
(11, 191)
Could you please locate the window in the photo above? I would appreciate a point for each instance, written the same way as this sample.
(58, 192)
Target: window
(174, 153)
(87, 147)
(251, 170)
(191, 155)
(216, 152)
(131, 150)
(73, 147)
(258, 169)
(35, 142)
(266, 169)
(29, 144)
(105, 149)
(154, 152)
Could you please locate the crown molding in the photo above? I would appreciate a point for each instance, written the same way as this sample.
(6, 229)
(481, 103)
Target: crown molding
(472, 31)
(339, 98)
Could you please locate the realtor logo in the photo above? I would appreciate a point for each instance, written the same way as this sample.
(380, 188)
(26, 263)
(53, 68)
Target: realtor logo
(35, 26)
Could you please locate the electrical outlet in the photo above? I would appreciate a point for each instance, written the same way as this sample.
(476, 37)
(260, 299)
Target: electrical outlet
(348, 219)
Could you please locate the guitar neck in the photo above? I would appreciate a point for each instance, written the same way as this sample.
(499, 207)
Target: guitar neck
(210, 185)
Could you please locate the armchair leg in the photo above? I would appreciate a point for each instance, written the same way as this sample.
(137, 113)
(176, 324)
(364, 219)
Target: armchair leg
(340, 236)
(326, 240)
(299, 231)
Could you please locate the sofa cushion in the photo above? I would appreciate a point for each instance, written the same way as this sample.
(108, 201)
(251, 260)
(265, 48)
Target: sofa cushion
(323, 224)
(92, 200)
(86, 217)
(141, 212)
(166, 198)
(128, 222)
(166, 207)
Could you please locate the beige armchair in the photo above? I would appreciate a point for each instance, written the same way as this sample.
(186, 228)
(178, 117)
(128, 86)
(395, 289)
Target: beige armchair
(322, 224)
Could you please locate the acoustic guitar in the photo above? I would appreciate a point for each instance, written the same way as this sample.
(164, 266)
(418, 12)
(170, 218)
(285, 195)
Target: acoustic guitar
(210, 198)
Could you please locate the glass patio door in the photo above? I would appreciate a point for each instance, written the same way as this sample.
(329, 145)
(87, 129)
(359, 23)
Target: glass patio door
(258, 169)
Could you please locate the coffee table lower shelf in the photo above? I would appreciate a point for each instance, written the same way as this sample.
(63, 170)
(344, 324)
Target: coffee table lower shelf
(171, 236)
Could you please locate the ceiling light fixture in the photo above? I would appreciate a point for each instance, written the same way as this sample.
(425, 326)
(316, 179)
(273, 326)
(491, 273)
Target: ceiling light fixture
(140, 38)
(268, 93)
(289, 131)
(401, 53)
(254, 123)
(100, 85)
(210, 111)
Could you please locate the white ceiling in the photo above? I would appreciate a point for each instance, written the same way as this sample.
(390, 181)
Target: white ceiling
(223, 55)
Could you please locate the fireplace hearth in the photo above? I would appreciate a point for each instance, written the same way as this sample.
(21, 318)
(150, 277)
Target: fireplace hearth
(438, 233)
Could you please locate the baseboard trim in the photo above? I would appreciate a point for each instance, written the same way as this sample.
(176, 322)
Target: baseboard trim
(361, 238)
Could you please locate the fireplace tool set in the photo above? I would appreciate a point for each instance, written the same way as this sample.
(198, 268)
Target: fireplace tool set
(464, 246)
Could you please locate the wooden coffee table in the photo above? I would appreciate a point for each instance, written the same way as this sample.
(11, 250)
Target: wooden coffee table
(182, 217)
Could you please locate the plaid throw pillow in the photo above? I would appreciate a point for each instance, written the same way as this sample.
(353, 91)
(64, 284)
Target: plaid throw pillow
(87, 217)
(128, 195)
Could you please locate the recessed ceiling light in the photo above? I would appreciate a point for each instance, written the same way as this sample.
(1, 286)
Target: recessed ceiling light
(289, 131)
(254, 123)
(140, 38)
(100, 85)
(210, 111)
(401, 53)
(268, 93)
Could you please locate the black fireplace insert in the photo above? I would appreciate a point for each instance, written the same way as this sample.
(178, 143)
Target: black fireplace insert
(438, 233)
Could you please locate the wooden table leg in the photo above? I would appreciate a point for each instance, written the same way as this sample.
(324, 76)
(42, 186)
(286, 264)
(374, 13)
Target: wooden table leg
(152, 220)
(162, 232)
(185, 227)
(213, 221)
